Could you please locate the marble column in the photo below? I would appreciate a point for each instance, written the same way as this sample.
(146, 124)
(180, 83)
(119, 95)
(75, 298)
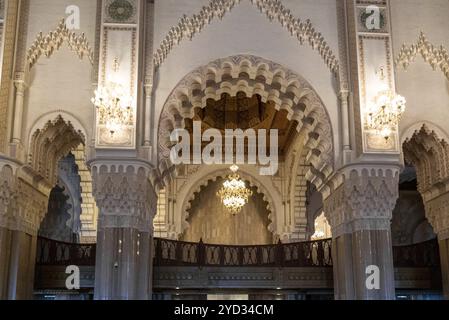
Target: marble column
(359, 209)
(127, 205)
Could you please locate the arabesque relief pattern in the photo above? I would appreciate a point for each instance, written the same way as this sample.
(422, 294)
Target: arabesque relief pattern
(47, 45)
(22, 206)
(436, 56)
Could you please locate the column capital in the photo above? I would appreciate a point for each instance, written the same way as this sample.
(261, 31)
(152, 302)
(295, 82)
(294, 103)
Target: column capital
(21, 80)
(362, 198)
(437, 212)
(23, 205)
(125, 195)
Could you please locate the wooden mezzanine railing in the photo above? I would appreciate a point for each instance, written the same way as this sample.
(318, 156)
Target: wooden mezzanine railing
(178, 253)
(303, 254)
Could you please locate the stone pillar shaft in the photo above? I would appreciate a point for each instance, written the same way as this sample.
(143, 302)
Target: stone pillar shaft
(127, 205)
(352, 254)
(123, 264)
(444, 258)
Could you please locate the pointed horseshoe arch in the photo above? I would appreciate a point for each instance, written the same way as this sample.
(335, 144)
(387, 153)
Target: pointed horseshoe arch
(252, 75)
(49, 144)
(223, 173)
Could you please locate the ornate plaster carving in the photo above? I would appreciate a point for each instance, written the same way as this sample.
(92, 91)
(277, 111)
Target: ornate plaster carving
(22, 205)
(437, 57)
(25, 188)
(304, 31)
(89, 210)
(121, 11)
(437, 213)
(296, 185)
(51, 143)
(47, 45)
(364, 200)
(125, 196)
(430, 156)
(252, 75)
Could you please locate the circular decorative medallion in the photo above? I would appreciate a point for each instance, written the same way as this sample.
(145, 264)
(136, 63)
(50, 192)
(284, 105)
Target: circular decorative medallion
(121, 10)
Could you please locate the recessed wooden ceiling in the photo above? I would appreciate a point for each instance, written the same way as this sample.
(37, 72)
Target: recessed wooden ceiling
(241, 112)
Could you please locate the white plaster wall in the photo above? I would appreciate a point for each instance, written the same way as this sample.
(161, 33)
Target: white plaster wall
(62, 82)
(245, 30)
(426, 91)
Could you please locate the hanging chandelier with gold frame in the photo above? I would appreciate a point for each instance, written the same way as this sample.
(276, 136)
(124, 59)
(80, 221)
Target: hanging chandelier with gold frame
(114, 104)
(386, 113)
(234, 194)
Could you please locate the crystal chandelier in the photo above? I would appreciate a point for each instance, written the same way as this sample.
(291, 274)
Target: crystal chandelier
(386, 113)
(234, 194)
(114, 105)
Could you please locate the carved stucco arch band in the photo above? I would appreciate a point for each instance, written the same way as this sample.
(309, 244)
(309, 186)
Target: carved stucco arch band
(49, 144)
(223, 173)
(436, 56)
(410, 131)
(47, 45)
(429, 153)
(188, 27)
(252, 75)
(68, 117)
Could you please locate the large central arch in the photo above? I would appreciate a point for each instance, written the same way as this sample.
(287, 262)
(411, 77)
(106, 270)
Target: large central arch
(311, 153)
(252, 75)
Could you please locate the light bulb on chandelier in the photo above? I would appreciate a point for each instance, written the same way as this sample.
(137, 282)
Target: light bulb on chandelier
(385, 113)
(234, 194)
(114, 104)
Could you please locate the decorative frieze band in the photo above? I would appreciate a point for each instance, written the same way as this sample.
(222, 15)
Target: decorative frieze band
(437, 57)
(304, 31)
(47, 45)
